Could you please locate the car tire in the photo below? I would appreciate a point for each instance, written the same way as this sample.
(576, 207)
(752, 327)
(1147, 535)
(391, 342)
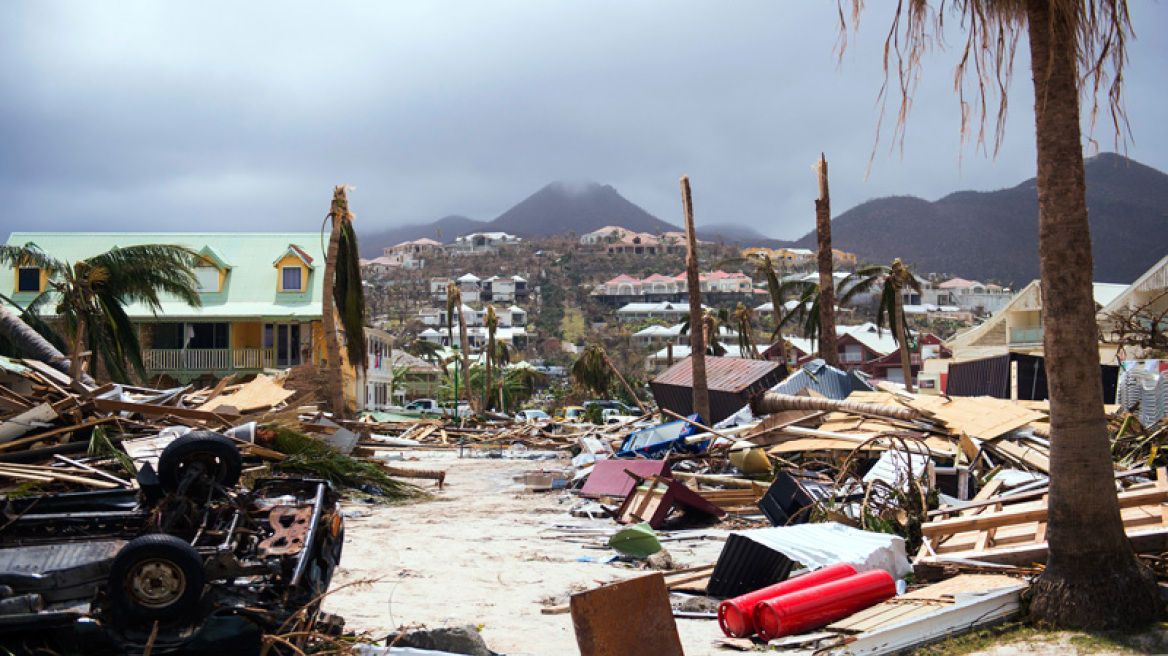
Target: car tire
(214, 454)
(156, 577)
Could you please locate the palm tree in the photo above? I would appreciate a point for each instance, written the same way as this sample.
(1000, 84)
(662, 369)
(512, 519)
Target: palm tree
(92, 295)
(701, 393)
(343, 300)
(1092, 577)
(594, 371)
(893, 280)
(743, 320)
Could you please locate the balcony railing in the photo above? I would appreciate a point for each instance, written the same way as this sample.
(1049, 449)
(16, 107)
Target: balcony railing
(210, 359)
(1025, 335)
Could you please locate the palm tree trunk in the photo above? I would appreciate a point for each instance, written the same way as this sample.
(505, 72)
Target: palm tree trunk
(1092, 578)
(31, 342)
(465, 363)
(697, 346)
(902, 339)
(490, 366)
(334, 379)
(625, 383)
(828, 349)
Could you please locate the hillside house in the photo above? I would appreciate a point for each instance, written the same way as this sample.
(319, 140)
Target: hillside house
(261, 298)
(717, 286)
(413, 254)
(668, 311)
(635, 243)
(979, 298)
(479, 243)
(655, 335)
(603, 235)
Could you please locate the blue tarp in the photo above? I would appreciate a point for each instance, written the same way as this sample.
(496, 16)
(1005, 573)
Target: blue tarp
(659, 441)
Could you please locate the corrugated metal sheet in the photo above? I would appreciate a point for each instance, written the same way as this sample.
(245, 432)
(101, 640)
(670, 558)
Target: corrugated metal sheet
(722, 374)
(824, 379)
(991, 377)
(731, 382)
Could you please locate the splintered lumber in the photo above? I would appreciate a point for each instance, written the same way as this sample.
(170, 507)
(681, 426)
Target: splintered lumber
(724, 481)
(222, 416)
(772, 402)
(46, 474)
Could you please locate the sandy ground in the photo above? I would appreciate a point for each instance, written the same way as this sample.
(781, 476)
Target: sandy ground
(476, 555)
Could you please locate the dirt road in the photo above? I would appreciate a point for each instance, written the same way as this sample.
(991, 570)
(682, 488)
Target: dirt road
(475, 555)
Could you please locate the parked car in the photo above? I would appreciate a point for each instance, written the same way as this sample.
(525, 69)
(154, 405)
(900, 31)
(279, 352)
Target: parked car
(614, 416)
(532, 416)
(423, 405)
(610, 404)
(570, 414)
(187, 563)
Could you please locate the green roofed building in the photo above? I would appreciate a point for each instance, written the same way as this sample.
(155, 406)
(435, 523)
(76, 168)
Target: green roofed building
(261, 300)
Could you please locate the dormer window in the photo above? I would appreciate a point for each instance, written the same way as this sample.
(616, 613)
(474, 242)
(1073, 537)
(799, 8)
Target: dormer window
(293, 267)
(28, 279)
(207, 278)
(211, 271)
(291, 279)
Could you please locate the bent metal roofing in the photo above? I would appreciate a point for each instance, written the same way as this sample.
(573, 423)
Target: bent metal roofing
(251, 290)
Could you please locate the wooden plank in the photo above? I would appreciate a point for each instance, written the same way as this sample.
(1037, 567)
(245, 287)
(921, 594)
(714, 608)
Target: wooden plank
(626, 619)
(221, 416)
(1012, 517)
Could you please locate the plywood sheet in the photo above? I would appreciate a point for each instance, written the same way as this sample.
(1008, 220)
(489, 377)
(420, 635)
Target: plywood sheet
(983, 417)
(259, 394)
(630, 618)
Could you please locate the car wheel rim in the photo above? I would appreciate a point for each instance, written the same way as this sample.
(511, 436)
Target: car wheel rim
(156, 583)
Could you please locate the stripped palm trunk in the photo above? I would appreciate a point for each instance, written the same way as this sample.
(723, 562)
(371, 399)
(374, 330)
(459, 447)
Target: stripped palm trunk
(772, 402)
(465, 344)
(1092, 577)
(32, 343)
(697, 347)
(828, 349)
(902, 340)
(492, 322)
(334, 377)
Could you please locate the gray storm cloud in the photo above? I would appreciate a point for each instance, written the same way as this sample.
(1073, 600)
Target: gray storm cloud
(228, 116)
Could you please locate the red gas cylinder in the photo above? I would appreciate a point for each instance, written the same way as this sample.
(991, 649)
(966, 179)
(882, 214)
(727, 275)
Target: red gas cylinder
(736, 616)
(802, 611)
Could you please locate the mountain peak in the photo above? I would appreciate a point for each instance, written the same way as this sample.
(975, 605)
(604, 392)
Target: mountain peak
(576, 206)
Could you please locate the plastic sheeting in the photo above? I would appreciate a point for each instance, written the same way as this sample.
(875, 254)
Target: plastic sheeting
(819, 545)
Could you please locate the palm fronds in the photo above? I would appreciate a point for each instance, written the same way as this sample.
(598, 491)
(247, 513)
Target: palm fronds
(310, 456)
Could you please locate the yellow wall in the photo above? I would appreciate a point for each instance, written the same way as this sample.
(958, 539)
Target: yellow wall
(247, 334)
(288, 261)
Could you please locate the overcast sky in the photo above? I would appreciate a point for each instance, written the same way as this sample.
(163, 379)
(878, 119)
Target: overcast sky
(233, 116)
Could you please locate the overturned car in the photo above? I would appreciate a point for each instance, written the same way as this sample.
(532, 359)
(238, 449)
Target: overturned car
(187, 563)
